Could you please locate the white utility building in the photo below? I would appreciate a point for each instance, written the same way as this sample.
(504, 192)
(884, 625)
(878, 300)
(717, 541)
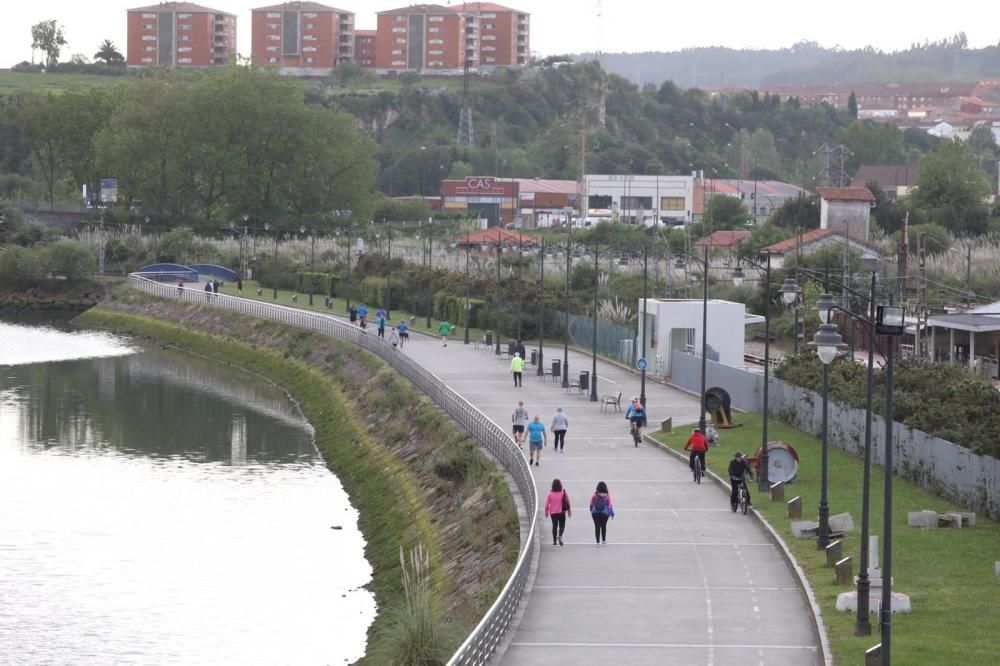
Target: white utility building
(640, 199)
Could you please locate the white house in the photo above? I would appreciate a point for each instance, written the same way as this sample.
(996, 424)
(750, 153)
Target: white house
(640, 199)
(846, 209)
(676, 324)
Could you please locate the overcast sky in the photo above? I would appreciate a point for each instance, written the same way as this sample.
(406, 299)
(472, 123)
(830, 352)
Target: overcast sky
(561, 26)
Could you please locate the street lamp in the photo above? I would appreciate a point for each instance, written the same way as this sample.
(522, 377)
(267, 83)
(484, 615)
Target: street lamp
(565, 363)
(539, 370)
(312, 255)
(682, 264)
(645, 296)
(274, 263)
(828, 344)
(593, 347)
(467, 311)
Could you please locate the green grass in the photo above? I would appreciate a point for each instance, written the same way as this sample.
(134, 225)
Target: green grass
(947, 573)
(11, 82)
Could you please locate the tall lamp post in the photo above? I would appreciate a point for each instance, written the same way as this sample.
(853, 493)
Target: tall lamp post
(312, 263)
(430, 272)
(828, 344)
(274, 263)
(645, 296)
(496, 298)
(467, 311)
(539, 369)
(704, 323)
(565, 363)
(593, 347)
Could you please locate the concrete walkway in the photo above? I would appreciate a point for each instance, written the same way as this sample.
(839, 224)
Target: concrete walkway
(683, 580)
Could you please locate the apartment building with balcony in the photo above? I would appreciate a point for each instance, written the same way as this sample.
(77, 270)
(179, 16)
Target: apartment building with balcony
(435, 39)
(364, 48)
(302, 38)
(504, 34)
(179, 34)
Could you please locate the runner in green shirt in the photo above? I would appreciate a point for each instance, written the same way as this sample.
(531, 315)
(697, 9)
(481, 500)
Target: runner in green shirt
(445, 330)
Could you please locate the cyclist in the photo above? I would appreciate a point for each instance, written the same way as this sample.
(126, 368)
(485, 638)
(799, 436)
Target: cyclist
(697, 445)
(636, 414)
(738, 467)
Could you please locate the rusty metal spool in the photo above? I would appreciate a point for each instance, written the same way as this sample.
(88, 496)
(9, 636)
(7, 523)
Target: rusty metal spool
(782, 461)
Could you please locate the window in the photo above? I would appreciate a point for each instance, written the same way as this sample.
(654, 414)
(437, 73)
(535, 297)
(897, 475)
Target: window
(399, 63)
(310, 49)
(272, 38)
(308, 38)
(641, 203)
(490, 16)
(272, 59)
(310, 60)
(397, 52)
(672, 203)
(489, 48)
(149, 26)
(399, 40)
(184, 61)
(399, 29)
(273, 26)
(489, 26)
(149, 38)
(273, 15)
(184, 38)
(433, 29)
(184, 49)
(147, 60)
(309, 15)
(489, 59)
(435, 41)
(309, 26)
(599, 201)
(435, 52)
(488, 38)
(149, 48)
(272, 48)
(183, 26)
(149, 15)
(400, 19)
(183, 16)
(435, 19)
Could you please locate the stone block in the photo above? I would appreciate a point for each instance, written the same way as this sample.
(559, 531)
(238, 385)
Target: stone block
(841, 523)
(996, 569)
(795, 507)
(968, 519)
(926, 519)
(949, 520)
(873, 655)
(805, 529)
(834, 552)
(667, 424)
(843, 572)
(778, 491)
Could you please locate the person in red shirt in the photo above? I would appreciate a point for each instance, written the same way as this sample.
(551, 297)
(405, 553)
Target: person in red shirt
(697, 445)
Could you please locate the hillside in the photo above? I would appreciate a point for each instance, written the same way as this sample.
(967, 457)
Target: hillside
(805, 63)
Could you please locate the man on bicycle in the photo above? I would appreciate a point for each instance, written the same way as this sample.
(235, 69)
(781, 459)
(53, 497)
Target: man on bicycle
(697, 445)
(636, 414)
(738, 468)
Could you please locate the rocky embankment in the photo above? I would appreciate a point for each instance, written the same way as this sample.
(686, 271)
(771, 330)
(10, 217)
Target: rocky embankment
(53, 296)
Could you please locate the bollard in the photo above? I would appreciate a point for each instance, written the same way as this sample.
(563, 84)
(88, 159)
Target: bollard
(778, 491)
(667, 424)
(843, 573)
(795, 507)
(834, 552)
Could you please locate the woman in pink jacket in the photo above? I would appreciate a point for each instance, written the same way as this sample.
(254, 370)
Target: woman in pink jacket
(557, 507)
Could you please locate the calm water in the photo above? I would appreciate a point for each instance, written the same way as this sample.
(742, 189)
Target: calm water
(159, 509)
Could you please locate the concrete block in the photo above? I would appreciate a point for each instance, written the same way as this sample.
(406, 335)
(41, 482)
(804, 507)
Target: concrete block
(778, 491)
(795, 507)
(968, 519)
(841, 523)
(873, 655)
(834, 552)
(667, 424)
(949, 520)
(805, 529)
(843, 572)
(996, 569)
(926, 519)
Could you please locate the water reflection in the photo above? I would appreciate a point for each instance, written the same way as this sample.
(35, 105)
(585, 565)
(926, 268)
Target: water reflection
(158, 508)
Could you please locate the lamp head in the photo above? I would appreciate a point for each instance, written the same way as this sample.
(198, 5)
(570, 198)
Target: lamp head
(789, 291)
(827, 342)
(825, 306)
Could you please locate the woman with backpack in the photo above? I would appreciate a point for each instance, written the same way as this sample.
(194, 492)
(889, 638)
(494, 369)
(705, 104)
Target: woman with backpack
(557, 507)
(601, 509)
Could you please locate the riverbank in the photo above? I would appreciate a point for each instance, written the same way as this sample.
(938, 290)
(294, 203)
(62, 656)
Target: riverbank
(411, 473)
(56, 296)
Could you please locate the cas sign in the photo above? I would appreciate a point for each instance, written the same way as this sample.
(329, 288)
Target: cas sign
(479, 184)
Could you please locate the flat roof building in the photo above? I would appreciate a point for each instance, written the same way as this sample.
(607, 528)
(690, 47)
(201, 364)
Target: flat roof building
(639, 199)
(179, 34)
(531, 202)
(303, 38)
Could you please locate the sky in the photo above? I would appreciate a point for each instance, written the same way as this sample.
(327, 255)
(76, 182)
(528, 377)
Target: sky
(572, 26)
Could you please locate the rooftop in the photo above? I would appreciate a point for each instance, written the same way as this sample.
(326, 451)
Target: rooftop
(473, 7)
(496, 235)
(421, 9)
(723, 238)
(300, 6)
(543, 185)
(846, 194)
(179, 7)
(813, 236)
(886, 175)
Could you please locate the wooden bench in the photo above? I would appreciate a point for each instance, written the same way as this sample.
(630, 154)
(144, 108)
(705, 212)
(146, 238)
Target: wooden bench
(614, 400)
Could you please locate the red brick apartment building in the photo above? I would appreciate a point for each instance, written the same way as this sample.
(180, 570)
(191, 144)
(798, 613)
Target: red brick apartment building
(179, 34)
(302, 37)
(364, 48)
(435, 39)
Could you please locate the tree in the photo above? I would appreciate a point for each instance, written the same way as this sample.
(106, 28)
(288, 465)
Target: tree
(109, 54)
(951, 189)
(38, 116)
(852, 105)
(47, 36)
(872, 143)
(801, 213)
(725, 212)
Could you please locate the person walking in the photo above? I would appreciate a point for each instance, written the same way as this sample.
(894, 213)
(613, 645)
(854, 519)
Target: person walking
(363, 315)
(215, 288)
(239, 285)
(352, 314)
(404, 332)
(536, 440)
(519, 348)
(560, 423)
(557, 508)
(601, 509)
(517, 367)
(208, 290)
(380, 326)
(444, 330)
(520, 420)
(393, 337)
(180, 288)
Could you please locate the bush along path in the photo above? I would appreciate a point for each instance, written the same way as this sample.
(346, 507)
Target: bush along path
(414, 477)
(947, 573)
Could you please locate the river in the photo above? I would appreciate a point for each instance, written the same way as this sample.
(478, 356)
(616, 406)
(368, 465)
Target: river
(159, 508)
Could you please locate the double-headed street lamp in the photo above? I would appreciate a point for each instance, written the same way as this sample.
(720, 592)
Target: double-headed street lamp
(274, 263)
(539, 369)
(312, 263)
(704, 324)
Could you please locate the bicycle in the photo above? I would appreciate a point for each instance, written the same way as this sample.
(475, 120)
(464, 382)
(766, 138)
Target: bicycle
(636, 433)
(696, 464)
(742, 497)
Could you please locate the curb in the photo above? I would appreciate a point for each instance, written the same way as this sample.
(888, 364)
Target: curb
(804, 587)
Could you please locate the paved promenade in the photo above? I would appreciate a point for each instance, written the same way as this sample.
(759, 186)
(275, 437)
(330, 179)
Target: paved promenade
(683, 580)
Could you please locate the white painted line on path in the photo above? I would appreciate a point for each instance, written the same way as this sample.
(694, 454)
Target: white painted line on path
(699, 646)
(663, 587)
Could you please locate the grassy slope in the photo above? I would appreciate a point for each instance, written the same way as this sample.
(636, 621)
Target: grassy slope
(11, 82)
(378, 472)
(947, 573)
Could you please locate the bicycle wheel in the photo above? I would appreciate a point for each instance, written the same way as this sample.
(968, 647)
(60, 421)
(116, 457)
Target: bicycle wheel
(743, 501)
(697, 472)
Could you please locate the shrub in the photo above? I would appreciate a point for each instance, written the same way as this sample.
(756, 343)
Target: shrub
(70, 259)
(21, 266)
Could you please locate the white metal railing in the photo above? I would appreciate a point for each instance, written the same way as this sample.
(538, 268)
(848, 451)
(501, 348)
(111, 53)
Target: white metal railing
(483, 642)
